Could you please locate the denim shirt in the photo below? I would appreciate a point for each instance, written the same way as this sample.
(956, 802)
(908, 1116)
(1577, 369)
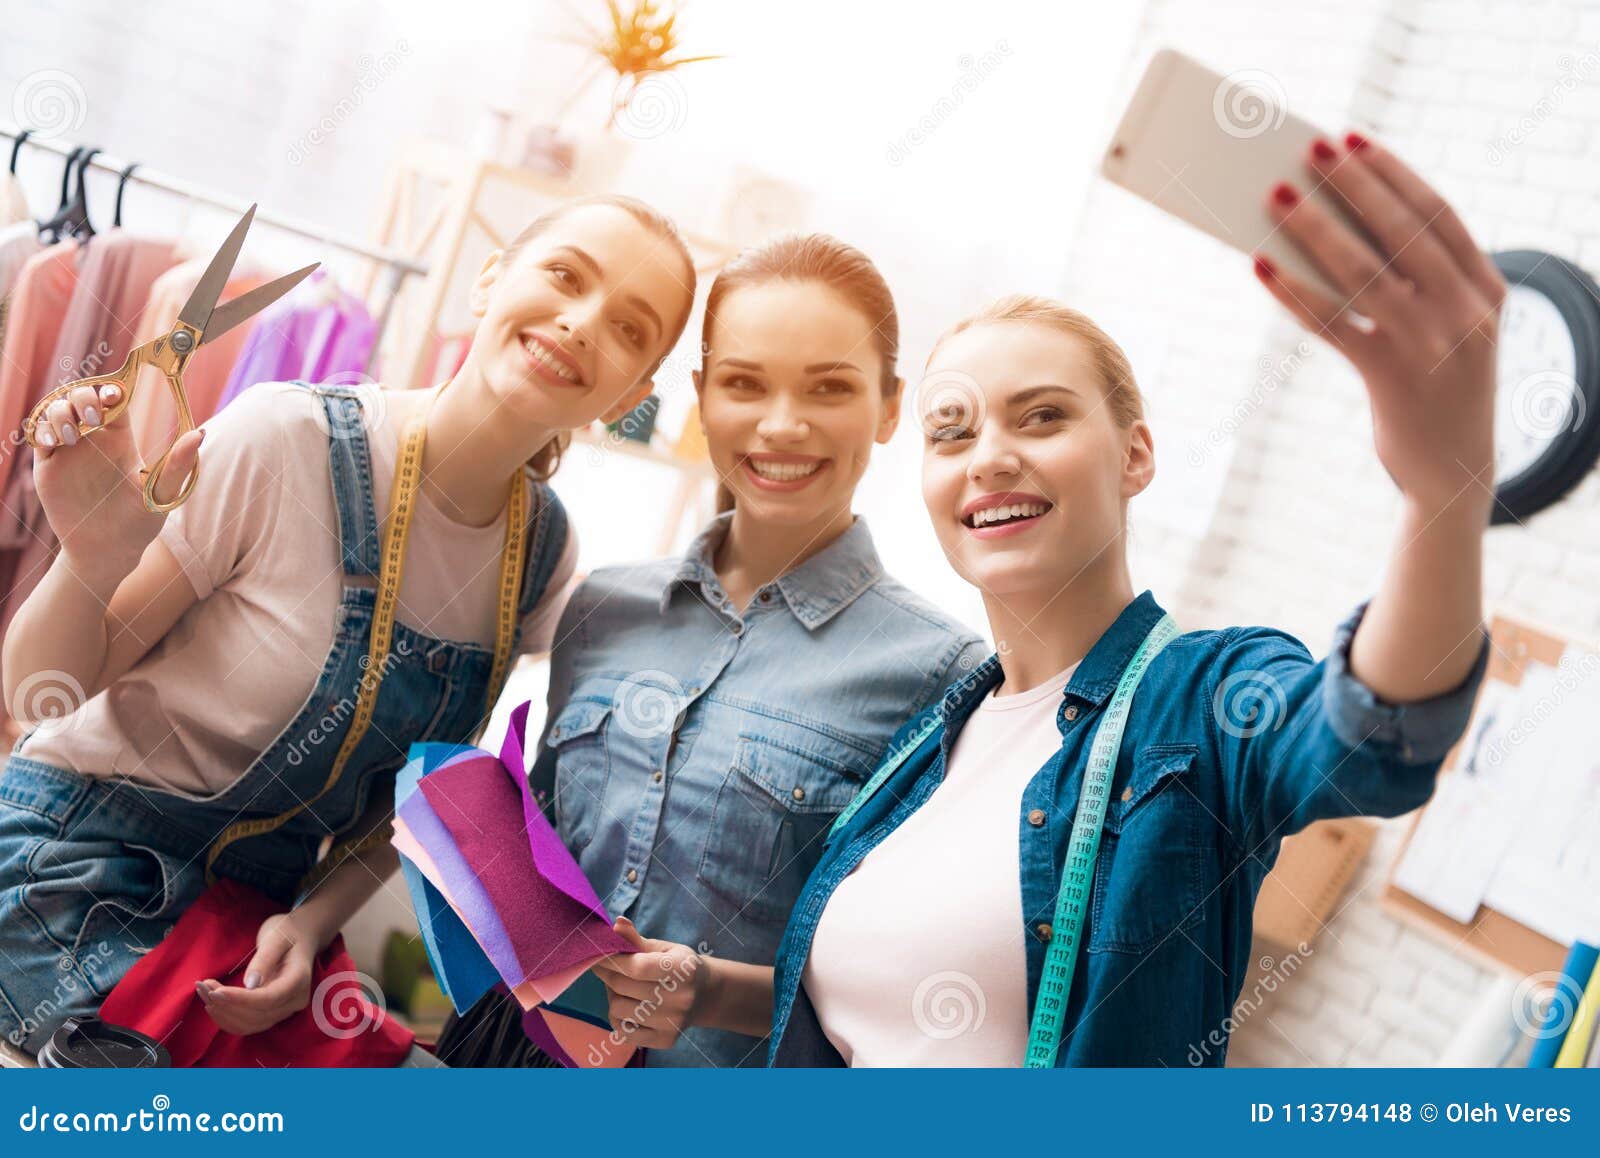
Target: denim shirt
(1235, 740)
(696, 755)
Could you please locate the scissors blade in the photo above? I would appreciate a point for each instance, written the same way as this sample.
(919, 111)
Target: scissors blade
(197, 310)
(247, 305)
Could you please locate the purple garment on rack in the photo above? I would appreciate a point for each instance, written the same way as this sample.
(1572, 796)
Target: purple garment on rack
(318, 333)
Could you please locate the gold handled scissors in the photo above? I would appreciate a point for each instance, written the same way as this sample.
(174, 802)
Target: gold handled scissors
(200, 321)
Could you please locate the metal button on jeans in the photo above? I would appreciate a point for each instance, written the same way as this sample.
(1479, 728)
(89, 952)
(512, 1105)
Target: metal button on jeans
(1127, 795)
(1044, 931)
(438, 661)
(1036, 817)
(633, 876)
(656, 777)
(1072, 712)
(799, 794)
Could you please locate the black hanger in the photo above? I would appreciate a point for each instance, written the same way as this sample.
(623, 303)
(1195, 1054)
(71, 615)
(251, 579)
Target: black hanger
(17, 148)
(46, 230)
(122, 183)
(72, 219)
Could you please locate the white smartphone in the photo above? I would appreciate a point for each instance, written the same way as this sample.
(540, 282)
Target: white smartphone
(1209, 148)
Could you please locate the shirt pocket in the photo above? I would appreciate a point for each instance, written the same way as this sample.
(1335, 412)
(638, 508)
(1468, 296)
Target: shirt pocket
(772, 812)
(583, 769)
(1148, 877)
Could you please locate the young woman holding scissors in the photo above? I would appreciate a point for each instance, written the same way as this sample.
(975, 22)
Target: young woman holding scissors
(1050, 869)
(218, 661)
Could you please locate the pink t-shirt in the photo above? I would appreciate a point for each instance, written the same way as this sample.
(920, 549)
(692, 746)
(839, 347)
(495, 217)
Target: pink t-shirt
(258, 539)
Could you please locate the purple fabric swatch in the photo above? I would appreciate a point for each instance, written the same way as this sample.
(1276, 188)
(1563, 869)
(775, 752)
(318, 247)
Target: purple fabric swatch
(481, 808)
(549, 852)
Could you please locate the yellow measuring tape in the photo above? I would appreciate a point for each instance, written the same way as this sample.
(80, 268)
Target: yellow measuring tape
(408, 474)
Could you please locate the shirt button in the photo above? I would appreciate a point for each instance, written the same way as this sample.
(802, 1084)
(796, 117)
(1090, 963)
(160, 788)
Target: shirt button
(1036, 817)
(1044, 931)
(1072, 712)
(738, 629)
(633, 877)
(766, 597)
(1127, 795)
(799, 794)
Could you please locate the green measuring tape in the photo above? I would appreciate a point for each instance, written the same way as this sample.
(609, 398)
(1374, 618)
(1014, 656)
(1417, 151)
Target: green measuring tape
(1077, 876)
(885, 770)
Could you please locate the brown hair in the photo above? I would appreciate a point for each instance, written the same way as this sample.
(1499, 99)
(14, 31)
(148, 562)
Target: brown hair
(547, 458)
(1111, 365)
(813, 257)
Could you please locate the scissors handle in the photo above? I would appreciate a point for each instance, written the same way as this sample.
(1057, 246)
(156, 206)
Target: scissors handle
(161, 355)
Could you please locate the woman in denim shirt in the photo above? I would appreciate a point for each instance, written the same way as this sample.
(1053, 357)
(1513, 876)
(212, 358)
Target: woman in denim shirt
(710, 715)
(922, 936)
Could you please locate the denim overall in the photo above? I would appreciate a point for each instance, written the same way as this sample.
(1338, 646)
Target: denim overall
(93, 872)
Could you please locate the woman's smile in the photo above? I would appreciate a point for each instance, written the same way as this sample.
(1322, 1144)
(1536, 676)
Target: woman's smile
(549, 361)
(1004, 513)
(783, 472)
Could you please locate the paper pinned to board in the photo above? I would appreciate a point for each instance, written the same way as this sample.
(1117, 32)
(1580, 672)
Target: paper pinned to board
(1516, 824)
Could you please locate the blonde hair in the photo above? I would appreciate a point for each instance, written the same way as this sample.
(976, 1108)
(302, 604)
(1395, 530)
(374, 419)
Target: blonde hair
(544, 461)
(820, 258)
(1111, 365)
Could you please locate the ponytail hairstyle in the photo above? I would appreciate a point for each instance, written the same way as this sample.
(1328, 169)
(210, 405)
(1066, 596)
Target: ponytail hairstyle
(820, 258)
(544, 461)
(1123, 398)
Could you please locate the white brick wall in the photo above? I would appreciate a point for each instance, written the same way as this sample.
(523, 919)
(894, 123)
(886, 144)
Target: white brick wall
(1287, 519)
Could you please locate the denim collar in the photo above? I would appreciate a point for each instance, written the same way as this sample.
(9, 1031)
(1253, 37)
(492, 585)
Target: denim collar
(1093, 681)
(816, 591)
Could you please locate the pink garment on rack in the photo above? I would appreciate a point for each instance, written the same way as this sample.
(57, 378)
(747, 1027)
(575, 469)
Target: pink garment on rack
(111, 279)
(153, 412)
(115, 273)
(38, 303)
(318, 333)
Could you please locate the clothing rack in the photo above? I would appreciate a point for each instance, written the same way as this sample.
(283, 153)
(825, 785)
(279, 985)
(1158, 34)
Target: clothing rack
(398, 265)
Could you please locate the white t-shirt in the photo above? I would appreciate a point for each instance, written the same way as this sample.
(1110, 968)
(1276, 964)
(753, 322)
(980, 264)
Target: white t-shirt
(258, 541)
(918, 959)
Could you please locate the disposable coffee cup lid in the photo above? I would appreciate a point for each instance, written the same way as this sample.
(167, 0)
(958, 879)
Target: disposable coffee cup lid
(83, 1043)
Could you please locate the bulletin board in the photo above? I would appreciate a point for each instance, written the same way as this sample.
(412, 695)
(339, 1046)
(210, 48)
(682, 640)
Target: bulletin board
(1494, 937)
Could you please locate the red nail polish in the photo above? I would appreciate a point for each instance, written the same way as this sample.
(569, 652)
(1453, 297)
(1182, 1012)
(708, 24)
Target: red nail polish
(1355, 142)
(1322, 151)
(1264, 269)
(1283, 193)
